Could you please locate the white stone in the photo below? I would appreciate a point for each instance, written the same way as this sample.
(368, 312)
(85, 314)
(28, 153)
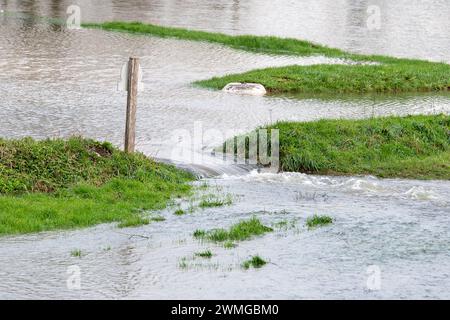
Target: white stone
(253, 89)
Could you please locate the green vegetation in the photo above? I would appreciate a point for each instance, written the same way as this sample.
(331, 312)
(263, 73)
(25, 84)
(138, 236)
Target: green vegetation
(179, 212)
(272, 45)
(378, 74)
(255, 262)
(401, 76)
(183, 264)
(157, 218)
(204, 254)
(317, 221)
(229, 245)
(134, 221)
(243, 230)
(415, 147)
(76, 253)
(214, 201)
(62, 184)
(285, 224)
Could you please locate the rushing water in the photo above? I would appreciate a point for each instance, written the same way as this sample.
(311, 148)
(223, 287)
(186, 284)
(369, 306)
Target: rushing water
(57, 82)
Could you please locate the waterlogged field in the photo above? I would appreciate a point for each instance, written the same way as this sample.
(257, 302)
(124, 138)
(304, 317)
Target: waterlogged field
(384, 240)
(243, 234)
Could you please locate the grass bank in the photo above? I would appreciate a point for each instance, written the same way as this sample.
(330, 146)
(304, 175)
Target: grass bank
(62, 184)
(416, 147)
(389, 75)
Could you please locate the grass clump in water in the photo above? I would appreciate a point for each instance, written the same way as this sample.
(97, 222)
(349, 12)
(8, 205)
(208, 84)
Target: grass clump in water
(204, 254)
(416, 147)
(179, 212)
(62, 184)
(214, 201)
(396, 77)
(134, 221)
(229, 245)
(183, 263)
(76, 253)
(243, 230)
(318, 221)
(255, 262)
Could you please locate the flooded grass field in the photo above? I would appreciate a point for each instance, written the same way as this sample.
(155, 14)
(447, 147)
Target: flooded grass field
(56, 82)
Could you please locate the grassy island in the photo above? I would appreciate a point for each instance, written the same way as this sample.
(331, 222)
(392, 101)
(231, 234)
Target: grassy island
(416, 147)
(62, 184)
(367, 74)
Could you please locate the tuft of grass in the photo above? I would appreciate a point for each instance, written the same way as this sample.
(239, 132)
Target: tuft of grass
(63, 184)
(243, 230)
(255, 262)
(134, 221)
(284, 224)
(179, 212)
(199, 233)
(76, 253)
(416, 147)
(183, 264)
(157, 218)
(318, 221)
(204, 254)
(384, 74)
(229, 245)
(214, 201)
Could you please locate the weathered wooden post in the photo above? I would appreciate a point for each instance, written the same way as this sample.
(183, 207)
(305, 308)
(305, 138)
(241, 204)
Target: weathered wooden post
(132, 88)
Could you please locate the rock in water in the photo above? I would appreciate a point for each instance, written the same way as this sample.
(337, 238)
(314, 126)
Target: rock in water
(253, 89)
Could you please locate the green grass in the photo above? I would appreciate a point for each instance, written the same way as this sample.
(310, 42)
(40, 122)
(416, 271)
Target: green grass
(214, 201)
(179, 212)
(229, 245)
(76, 253)
(255, 262)
(318, 221)
(183, 263)
(134, 221)
(243, 230)
(204, 254)
(416, 147)
(390, 75)
(63, 184)
(362, 79)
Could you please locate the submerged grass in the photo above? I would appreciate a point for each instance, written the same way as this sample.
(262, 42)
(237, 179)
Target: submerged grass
(76, 253)
(317, 221)
(387, 75)
(402, 76)
(415, 147)
(243, 230)
(134, 221)
(214, 201)
(255, 262)
(204, 254)
(179, 212)
(62, 184)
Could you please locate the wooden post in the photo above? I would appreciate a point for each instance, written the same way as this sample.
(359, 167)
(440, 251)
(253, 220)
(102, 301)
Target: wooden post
(130, 125)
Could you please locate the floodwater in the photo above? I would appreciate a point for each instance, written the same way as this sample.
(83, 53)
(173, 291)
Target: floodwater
(57, 82)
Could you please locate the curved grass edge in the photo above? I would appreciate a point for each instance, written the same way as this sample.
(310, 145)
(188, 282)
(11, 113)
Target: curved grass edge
(391, 75)
(411, 147)
(58, 184)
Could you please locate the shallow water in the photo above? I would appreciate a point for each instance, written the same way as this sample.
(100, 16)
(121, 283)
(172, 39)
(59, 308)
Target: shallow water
(55, 82)
(399, 226)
